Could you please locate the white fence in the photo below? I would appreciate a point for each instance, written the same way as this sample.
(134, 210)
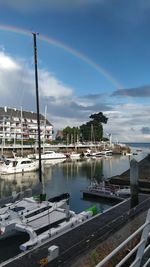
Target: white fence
(140, 250)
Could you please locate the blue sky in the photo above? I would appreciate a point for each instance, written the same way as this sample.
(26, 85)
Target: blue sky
(92, 56)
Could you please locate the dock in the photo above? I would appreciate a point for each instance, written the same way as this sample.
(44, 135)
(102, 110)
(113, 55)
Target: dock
(32, 148)
(101, 195)
(76, 242)
(144, 176)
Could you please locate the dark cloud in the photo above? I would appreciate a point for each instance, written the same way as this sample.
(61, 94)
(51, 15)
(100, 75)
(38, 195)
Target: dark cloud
(145, 130)
(92, 96)
(94, 107)
(143, 91)
(73, 109)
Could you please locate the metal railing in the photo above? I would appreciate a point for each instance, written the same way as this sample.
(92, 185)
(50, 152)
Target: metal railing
(138, 251)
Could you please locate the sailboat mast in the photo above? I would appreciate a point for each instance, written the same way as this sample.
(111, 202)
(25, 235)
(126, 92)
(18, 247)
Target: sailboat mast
(21, 134)
(37, 105)
(44, 132)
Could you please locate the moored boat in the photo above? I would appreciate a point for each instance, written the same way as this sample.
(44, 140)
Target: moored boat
(106, 190)
(40, 220)
(106, 152)
(48, 155)
(73, 155)
(34, 213)
(18, 165)
(73, 221)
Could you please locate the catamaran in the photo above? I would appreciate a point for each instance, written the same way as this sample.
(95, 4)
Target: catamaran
(39, 219)
(32, 214)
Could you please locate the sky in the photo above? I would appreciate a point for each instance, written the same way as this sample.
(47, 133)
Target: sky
(93, 56)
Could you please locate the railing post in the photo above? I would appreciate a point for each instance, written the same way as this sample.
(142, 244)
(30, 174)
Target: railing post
(144, 237)
(134, 177)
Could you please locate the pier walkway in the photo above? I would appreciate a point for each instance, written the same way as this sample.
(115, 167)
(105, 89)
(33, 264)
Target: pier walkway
(79, 240)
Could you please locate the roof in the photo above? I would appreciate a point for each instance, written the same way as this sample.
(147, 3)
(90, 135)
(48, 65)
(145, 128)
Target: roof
(13, 112)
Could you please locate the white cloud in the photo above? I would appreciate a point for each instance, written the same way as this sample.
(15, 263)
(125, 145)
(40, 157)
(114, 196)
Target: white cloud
(60, 123)
(126, 122)
(64, 108)
(22, 79)
(51, 87)
(7, 63)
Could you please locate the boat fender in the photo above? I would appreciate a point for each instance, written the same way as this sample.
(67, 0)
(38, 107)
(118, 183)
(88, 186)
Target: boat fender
(25, 246)
(53, 232)
(2, 230)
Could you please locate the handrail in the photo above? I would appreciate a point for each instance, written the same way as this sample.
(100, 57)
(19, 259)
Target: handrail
(140, 247)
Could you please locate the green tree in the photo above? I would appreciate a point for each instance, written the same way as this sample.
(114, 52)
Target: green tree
(99, 117)
(93, 130)
(71, 135)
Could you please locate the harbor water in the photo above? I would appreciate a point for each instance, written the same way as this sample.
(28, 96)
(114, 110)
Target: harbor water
(65, 176)
(72, 176)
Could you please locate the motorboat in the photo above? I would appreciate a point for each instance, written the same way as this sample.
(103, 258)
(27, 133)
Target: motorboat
(90, 153)
(106, 152)
(49, 155)
(98, 154)
(109, 189)
(73, 155)
(18, 165)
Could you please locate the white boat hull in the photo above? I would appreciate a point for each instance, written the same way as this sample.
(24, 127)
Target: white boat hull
(48, 155)
(51, 157)
(7, 170)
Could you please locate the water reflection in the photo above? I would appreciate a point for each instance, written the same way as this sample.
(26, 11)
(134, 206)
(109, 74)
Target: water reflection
(17, 182)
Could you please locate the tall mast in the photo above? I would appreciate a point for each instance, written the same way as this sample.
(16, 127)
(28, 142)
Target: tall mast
(21, 134)
(37, 105)
(44, 132)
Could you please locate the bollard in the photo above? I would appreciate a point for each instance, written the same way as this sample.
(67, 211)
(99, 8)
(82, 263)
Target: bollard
(53, 253)
(134, 177)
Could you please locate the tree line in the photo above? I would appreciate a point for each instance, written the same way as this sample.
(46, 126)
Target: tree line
(90, 131)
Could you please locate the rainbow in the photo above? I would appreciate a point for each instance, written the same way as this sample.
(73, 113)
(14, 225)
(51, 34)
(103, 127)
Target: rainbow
(67, 48)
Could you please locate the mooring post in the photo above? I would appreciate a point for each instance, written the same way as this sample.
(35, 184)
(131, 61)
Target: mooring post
(134, 177)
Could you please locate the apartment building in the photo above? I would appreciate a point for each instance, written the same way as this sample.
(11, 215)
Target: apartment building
(22, 125)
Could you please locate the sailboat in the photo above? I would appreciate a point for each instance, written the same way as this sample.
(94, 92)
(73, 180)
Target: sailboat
(93, 151)
(41, 219)
(29, 212)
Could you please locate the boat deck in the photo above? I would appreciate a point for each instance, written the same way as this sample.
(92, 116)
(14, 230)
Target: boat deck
(47, 219)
